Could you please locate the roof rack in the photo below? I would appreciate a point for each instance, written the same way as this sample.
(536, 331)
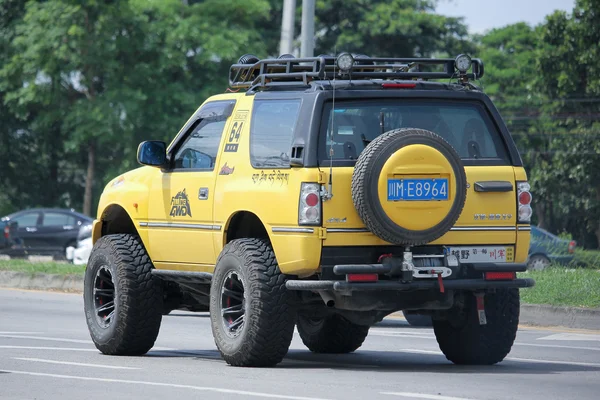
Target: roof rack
(252, 72)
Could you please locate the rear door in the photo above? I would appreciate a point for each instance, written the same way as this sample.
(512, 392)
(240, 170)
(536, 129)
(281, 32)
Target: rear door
(491, 201)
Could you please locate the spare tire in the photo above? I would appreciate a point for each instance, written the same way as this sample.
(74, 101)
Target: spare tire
(390, 181)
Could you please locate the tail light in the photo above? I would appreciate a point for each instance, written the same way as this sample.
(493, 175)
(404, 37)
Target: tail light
(572, 245)
(524, 198)
(500, 276)
(6, 231)
(309, 207)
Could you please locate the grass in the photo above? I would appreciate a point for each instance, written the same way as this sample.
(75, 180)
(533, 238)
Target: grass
(587, 258)
(560, 286)
(47, 267)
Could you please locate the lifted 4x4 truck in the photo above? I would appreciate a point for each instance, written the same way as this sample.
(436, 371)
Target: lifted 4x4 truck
(324, 193)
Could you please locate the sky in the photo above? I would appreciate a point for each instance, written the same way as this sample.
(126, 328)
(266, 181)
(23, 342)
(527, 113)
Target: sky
(482, 15)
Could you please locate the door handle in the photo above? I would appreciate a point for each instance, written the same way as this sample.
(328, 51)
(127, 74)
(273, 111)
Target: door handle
(203, 194)
(67, 227)
(29, 229)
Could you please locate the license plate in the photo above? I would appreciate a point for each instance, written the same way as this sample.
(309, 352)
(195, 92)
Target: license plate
(417, 189)
(482, 254)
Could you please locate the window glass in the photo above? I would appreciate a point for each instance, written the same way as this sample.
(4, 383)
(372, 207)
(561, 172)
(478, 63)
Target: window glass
(29, 219)
(55, 219)
(200, 148)
(272, 132)
(464, 125)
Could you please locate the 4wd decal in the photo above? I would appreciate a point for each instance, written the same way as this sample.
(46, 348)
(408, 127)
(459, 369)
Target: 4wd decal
(180, 205)
(226, 170)
(233, 138)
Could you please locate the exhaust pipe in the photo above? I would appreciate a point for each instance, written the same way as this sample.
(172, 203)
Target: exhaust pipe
(327, 298)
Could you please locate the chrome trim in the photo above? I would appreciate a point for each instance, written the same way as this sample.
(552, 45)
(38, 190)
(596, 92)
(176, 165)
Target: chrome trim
(456, 228)
(180, 225)
(294, 230)
(483, 228)
(334, 230)
(524, 228)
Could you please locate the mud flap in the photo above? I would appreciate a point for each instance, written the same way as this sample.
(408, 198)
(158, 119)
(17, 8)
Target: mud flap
(481, 308)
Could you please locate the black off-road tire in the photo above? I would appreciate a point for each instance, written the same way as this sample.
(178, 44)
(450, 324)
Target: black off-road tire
(465, 341)
(137, 296)
(365, 191)
(269, 313)
(421, 320)
(333, 334)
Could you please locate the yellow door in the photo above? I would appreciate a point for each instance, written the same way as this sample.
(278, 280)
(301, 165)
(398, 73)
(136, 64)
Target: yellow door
(180, 214)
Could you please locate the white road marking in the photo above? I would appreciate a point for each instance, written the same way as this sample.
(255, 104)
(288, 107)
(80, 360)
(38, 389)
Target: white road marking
(532, 360)
(401, 335)
(47, 338)
(20, 333)
(572, 336)
(47, 348)
(172, 385)
(73, 363)
(558, 346)
(417, 351)
(402, 331)
(50, 339)
(423, 396)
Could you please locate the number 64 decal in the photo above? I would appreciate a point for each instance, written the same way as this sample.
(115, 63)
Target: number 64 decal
(234, 137)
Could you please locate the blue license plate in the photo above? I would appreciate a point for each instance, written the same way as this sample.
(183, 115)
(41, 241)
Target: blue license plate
(417, 189)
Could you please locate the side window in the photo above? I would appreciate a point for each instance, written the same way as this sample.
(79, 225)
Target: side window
(24, 220)
(57, 219)
(199, 151)
(272, 132)
(201, 145)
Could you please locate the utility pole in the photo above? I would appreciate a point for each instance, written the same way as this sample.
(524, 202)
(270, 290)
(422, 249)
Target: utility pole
(307, 47)
(286, 44)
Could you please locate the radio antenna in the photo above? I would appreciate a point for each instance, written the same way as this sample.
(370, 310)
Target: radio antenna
(329, 193)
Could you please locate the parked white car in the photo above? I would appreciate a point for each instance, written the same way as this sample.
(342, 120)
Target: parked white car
(79, 255)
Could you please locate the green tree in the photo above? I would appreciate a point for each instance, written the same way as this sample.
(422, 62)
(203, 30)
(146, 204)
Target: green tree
(377, 28)
(568, 78)
(90, 79)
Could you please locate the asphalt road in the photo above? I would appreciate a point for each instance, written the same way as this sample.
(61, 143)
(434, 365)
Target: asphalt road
(46, 353)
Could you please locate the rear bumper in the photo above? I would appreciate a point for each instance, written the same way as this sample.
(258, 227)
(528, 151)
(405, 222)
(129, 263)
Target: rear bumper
(417, 284)
(465, 284)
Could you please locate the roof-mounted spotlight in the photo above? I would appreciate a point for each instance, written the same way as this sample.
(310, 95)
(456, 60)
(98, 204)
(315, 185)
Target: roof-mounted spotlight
(462, 63)
(344, 62)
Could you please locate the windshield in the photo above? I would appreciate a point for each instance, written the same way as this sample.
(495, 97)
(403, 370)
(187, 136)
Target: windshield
(465, 125)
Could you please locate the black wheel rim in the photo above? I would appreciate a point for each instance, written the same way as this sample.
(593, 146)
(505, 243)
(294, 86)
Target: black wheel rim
(104, 297)
(233, 305)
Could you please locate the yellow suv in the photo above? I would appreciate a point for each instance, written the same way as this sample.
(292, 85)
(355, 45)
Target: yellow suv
(323, 193)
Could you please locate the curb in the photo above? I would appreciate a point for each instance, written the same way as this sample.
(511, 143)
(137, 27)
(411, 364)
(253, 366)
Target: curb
(531, 314)
(569, 317)
(39, 281)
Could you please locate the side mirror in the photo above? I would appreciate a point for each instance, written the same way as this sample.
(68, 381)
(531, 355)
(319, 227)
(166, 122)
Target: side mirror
(153, 153)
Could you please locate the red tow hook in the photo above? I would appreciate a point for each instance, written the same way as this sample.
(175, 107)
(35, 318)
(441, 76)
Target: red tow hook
(440, 281)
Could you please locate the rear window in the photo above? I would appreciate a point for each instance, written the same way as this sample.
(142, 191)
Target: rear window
(464, 125)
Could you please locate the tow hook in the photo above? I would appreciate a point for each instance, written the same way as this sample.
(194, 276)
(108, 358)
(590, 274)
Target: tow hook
(480, 308)
(407, 265)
